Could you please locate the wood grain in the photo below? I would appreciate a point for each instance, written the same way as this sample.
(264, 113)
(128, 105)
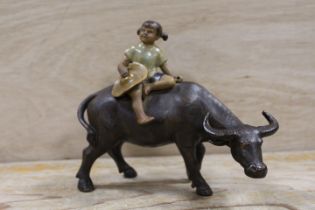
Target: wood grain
(289, 185)
(254, 55)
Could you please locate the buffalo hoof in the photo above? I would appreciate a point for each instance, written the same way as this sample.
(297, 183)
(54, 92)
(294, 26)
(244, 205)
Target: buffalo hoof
(85, 185)
(204, 191)
(130, 173)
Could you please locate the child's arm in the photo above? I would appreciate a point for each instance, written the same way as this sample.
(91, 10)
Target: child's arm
(165, 69)
(123, 67)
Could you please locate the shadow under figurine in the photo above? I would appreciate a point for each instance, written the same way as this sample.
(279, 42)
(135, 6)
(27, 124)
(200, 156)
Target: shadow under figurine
(186, 114)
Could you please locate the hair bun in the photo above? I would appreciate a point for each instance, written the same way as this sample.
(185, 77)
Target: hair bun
(164, 36)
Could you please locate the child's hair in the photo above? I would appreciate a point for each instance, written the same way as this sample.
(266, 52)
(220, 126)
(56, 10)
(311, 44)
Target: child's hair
(157, 26)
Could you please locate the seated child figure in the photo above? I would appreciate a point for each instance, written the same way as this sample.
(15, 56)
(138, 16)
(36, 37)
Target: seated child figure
(150, 55)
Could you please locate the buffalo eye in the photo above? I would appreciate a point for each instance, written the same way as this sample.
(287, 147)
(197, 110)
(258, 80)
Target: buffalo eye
(243, 145)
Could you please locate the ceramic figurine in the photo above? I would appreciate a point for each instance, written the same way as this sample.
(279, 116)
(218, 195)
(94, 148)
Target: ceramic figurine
(184, 113)
(144, 69)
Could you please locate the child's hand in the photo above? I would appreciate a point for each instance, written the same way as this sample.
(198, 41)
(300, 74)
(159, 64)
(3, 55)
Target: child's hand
(125, 74)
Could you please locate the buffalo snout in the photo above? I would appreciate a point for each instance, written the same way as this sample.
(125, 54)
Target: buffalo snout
(258, 170)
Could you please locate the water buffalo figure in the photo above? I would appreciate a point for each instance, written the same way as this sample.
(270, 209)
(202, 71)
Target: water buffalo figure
(187, 115)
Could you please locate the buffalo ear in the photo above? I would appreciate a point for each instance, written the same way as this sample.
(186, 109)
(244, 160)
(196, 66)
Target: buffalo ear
(219, 142)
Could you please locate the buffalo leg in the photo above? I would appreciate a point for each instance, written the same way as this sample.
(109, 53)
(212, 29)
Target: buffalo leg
(123, 166)
(90, 154)
(200, 152)
(193, 167)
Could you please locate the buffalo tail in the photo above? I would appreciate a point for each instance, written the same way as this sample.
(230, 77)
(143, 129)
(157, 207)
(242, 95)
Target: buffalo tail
(91, 132)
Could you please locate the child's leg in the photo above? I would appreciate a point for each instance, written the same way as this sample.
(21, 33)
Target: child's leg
(137, 105)
(165, 82)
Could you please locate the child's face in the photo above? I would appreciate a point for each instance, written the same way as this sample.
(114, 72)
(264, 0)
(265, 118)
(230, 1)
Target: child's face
(148, 35)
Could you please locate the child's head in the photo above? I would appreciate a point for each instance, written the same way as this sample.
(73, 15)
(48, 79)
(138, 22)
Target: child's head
(151, 31)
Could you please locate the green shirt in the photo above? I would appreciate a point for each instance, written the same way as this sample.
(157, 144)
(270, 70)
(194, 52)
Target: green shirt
(150, 56)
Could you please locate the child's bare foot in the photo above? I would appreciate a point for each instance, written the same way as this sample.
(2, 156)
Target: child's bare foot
(145, 120)
(146, 89)
(178, 79)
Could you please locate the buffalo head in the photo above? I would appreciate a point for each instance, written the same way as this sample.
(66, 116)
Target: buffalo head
(245, 142)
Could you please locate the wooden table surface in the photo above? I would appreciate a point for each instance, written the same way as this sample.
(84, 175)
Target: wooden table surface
(252, 55)
(161, 184)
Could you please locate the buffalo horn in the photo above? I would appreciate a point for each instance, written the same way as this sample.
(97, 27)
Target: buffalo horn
(270, 129)
(217, 132)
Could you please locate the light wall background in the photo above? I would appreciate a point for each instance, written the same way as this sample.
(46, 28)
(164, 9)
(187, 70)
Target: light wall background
(254, 55)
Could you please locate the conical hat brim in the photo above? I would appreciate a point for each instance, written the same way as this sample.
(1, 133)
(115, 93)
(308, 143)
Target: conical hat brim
(137, 73)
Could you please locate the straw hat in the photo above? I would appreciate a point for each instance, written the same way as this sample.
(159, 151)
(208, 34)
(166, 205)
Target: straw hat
(137, 73)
